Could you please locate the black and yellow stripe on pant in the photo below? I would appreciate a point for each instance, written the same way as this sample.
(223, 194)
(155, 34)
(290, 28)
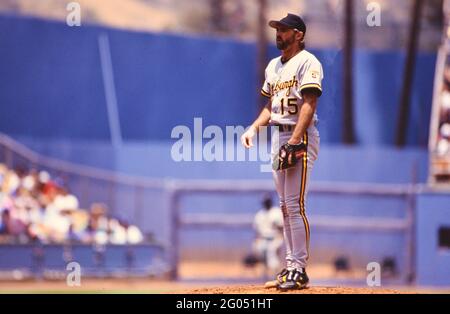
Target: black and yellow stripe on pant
(303, 178)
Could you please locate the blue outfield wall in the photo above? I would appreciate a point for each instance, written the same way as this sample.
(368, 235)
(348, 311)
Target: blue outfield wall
(52, 84)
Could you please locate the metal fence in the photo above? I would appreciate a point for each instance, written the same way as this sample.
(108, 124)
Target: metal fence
(405, 225)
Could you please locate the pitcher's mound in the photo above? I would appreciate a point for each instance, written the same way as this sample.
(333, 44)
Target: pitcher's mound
(255, 289)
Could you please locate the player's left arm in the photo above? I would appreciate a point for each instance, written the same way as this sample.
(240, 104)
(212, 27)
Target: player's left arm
(305, 116)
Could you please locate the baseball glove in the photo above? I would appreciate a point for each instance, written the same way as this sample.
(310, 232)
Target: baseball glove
(288, 156)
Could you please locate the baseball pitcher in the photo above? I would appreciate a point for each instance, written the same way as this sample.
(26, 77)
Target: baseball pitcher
(292, 86)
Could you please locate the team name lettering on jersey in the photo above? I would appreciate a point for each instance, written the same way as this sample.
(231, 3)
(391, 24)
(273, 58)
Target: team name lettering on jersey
(275, 88)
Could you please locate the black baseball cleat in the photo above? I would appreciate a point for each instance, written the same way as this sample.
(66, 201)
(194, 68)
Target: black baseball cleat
(279, 278)
(295, 280)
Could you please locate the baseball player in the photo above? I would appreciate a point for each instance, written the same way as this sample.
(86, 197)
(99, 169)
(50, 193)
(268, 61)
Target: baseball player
(293, 86)
(268, 224)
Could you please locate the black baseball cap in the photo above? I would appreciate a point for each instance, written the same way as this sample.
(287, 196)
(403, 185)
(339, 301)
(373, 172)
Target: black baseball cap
(291, 21)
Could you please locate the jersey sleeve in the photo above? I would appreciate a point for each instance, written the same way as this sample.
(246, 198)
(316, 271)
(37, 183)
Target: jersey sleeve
(311, 76)
(265, 90)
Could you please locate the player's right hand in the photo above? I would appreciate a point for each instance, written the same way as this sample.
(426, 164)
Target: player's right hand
(247, 137)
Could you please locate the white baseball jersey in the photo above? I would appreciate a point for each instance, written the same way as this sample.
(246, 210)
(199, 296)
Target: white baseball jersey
(284, 84)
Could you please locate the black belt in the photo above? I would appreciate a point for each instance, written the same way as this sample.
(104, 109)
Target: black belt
(285, 127)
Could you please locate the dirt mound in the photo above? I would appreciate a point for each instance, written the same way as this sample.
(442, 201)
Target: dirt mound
(255, 289)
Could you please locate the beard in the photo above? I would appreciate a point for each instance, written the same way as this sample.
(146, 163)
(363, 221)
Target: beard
(283, 44)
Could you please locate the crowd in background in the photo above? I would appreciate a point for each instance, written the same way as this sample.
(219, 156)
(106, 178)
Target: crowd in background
(36, 207)
(443, 141)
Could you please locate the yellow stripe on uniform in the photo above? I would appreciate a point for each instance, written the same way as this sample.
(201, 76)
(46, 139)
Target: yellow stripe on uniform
(264, 93)
(302, 195)
(311, 85)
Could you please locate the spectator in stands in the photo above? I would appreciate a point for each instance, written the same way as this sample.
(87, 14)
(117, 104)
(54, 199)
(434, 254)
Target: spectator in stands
(134, 235)
(443, 138)
(65, 200)
(10, 182)
(443, 145)
(117, 233)
(130, 233)
(30, 182)
(27, 207)
(5, 220)
(5, 199)
(445, 96)
(3, 171)
(56, 222)
(121, 232)
(98, 224)
(12, 227)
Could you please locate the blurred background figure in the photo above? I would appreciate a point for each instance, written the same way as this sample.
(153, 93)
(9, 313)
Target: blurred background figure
(268, 242)
(443, 142)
